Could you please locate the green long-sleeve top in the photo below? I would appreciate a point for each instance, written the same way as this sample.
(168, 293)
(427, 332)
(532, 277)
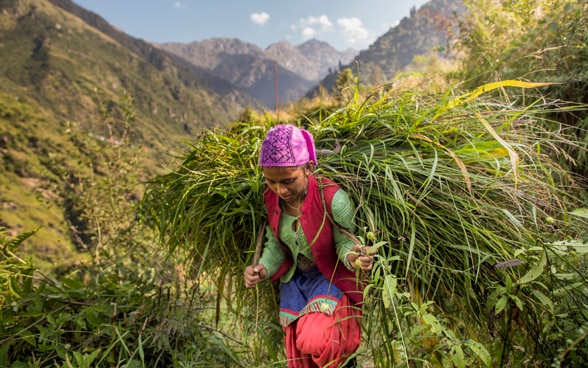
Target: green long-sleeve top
(273, 255)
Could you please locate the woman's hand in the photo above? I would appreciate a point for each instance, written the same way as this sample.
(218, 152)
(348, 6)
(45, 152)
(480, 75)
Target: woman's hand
(254, 275)
(362, 257)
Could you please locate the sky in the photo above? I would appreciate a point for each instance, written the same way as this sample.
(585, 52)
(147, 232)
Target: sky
(343, 24)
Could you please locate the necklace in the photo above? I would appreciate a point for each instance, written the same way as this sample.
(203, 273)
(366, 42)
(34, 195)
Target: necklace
(296, 216)
(301, 197)
(297, 209)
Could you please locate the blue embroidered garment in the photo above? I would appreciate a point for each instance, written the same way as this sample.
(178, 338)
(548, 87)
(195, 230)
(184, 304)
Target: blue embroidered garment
(307, 292)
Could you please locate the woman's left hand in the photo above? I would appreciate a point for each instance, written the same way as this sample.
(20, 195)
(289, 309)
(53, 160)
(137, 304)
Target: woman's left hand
(362, 257)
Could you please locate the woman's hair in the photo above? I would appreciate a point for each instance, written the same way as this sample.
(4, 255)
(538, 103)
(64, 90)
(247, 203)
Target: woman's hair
(287, 146)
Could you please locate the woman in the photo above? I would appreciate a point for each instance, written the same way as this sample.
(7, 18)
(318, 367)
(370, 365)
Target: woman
(321, 295)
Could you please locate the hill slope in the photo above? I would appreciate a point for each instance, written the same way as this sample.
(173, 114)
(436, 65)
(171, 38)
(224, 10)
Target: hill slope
(424, 32)
(252, 69)
(60, 63)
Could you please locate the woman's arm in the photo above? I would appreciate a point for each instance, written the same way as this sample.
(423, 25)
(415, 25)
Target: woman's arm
(348, 252)
(273, 255)
(271, 259)
(343, 211)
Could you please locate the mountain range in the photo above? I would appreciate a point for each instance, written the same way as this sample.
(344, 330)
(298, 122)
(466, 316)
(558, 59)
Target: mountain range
(62, 65)
(293, 70)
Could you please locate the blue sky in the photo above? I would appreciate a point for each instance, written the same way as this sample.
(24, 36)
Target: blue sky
(342, 23)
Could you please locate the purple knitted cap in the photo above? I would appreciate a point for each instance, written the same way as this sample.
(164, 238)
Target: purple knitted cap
(286, 145)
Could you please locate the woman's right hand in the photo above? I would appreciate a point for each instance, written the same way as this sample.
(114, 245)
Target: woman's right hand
(254, 275)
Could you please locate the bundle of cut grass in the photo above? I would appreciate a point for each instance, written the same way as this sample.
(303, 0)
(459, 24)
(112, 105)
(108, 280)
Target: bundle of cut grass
(450, 189)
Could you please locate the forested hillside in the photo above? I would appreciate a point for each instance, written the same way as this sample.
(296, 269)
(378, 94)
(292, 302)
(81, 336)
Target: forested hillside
(57, 69)
(426, 33)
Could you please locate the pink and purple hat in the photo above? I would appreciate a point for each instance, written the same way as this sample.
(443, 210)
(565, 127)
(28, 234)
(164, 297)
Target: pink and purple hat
(286, 145)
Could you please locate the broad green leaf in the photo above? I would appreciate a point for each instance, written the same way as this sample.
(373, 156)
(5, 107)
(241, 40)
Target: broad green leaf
(29, 337)
(535, 249)
(500, 304)
(50, 319)
(73, 284)
(79, 358)
(534, 272)
(419, 330)
(566, 290)
(480, 351)
(582, 212)
(92, 316)
(544, 300)
(517, 300)
(458, 357)
(390, 283)
(581, 247)
(508, 283)
(433, 322)
(566, 276)
(450, 334)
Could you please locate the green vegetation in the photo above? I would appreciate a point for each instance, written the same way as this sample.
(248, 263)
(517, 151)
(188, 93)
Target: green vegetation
(475, 196)
(465, 208)
(125, 301)
(537, 40)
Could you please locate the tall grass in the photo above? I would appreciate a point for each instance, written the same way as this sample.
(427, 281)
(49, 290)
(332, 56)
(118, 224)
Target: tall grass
(456, 190)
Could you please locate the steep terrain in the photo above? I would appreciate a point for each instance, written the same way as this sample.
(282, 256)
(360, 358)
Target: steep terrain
(303, 68)
(259, 77)
(426, 31)
(60, 64)
(251, 68)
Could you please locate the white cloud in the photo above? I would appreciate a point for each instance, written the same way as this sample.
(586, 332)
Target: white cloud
(353, 30)
(179, 5)
(311, 26)
(260, 18)
(308, 33)
(321, 22)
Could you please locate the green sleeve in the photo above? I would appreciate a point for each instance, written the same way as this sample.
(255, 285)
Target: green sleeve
(343, 211)
(273, 255)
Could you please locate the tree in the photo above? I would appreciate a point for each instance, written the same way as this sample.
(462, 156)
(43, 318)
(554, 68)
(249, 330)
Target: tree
(345, 85)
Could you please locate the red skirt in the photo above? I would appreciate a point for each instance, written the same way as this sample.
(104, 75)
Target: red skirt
(321, 340)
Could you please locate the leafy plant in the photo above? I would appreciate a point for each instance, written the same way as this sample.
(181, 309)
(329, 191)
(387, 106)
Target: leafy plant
(540, 40)
(130, 305)
(15, 273)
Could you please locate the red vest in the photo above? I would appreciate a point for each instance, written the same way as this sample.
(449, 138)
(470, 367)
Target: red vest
(319, 233)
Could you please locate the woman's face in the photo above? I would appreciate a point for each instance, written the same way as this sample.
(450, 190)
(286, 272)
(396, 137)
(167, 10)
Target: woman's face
(289, 183)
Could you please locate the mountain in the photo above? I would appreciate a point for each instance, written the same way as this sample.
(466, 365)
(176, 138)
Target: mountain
(59, 64)
(304, 69)
(425, 31)
(311, 59)
(298, 68)
(259, 77)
